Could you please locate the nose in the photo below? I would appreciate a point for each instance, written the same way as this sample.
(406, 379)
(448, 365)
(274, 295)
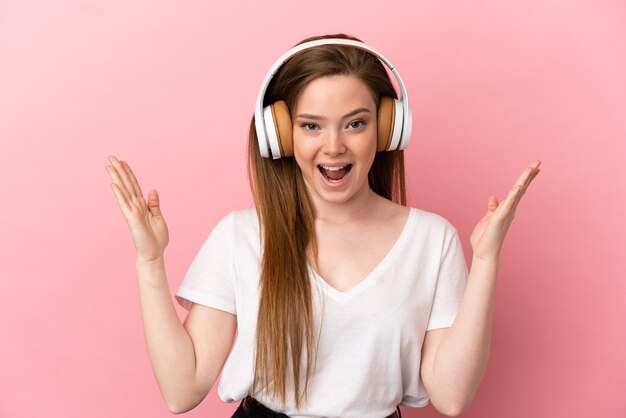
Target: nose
(334, 144)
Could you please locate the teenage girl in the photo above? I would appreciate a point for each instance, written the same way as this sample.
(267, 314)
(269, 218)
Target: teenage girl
(346, 302)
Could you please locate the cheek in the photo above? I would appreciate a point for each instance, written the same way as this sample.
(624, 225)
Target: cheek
(303, 148)
(367, 146)
(367, 151)
(372, 157)
(302, 154)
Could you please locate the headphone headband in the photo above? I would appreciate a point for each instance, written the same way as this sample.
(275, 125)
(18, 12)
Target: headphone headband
(268, 140)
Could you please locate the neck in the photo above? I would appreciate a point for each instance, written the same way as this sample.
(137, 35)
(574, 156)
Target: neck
(358, 207)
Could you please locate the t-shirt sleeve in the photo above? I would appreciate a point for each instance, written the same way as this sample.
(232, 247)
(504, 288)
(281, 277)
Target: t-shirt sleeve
(210, 277)
(451, 282)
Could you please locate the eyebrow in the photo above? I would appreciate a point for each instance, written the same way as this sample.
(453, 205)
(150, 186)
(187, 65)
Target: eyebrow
(314, 117)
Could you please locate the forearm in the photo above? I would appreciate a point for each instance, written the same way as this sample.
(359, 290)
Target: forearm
(463, 354)
(170, 348)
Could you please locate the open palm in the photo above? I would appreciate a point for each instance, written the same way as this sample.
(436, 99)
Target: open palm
(488, 235)
(145, 220)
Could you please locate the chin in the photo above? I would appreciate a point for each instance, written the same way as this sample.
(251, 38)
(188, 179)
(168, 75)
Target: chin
(339, 196)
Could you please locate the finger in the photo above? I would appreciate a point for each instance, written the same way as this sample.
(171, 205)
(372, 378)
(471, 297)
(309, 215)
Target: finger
(534, 170)
(123, 177)
(132, 178)
(121, 200)
(529, 172)
(153, 203)
(119, 183)
(525, 177)
(510, 202)
(492, 203)
(528, 181)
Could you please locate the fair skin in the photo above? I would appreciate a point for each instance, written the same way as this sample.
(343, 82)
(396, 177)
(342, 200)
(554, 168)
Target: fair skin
(185, 358)
(335, 125)
(355, 229)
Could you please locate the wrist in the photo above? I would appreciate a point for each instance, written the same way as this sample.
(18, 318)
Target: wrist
(149, 264)
(487, 260)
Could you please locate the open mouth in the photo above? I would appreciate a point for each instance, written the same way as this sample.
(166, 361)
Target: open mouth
(334, 174)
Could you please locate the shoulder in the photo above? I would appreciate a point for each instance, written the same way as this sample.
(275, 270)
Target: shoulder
(432, 221)
(420, 219)
(243, 217)
(241, 227)
(236, 223)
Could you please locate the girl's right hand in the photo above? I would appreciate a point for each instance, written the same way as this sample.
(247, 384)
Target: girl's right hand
(145, 221)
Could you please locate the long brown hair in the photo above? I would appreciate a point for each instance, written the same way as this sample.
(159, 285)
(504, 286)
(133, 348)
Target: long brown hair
(285, 329)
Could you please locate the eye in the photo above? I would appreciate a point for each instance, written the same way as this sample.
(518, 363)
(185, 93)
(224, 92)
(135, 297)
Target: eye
(356, 124)
(309, 126)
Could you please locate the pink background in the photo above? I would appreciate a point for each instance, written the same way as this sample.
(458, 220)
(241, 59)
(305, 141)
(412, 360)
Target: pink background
(170, 88)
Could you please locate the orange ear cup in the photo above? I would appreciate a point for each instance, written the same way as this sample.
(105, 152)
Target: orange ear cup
(282, 125)
(386, 116)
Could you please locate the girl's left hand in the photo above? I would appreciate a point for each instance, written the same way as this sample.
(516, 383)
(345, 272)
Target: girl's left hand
(488, 235)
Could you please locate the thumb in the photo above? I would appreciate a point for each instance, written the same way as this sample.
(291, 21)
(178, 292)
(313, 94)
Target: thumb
(492, 204)
(153, 203)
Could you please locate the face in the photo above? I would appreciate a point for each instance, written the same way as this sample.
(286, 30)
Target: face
(334, 138)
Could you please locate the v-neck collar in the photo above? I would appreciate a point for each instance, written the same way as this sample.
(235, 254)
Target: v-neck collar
(372, 276)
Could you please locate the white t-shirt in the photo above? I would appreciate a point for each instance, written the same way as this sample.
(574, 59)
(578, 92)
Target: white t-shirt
(371, 336)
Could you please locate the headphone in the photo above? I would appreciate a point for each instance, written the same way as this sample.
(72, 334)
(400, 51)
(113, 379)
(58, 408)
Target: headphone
(273, 122)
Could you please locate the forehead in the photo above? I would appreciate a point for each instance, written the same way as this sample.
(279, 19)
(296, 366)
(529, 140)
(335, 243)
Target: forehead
(338, 94)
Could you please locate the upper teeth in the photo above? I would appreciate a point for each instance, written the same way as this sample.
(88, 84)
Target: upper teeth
(334, 168)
